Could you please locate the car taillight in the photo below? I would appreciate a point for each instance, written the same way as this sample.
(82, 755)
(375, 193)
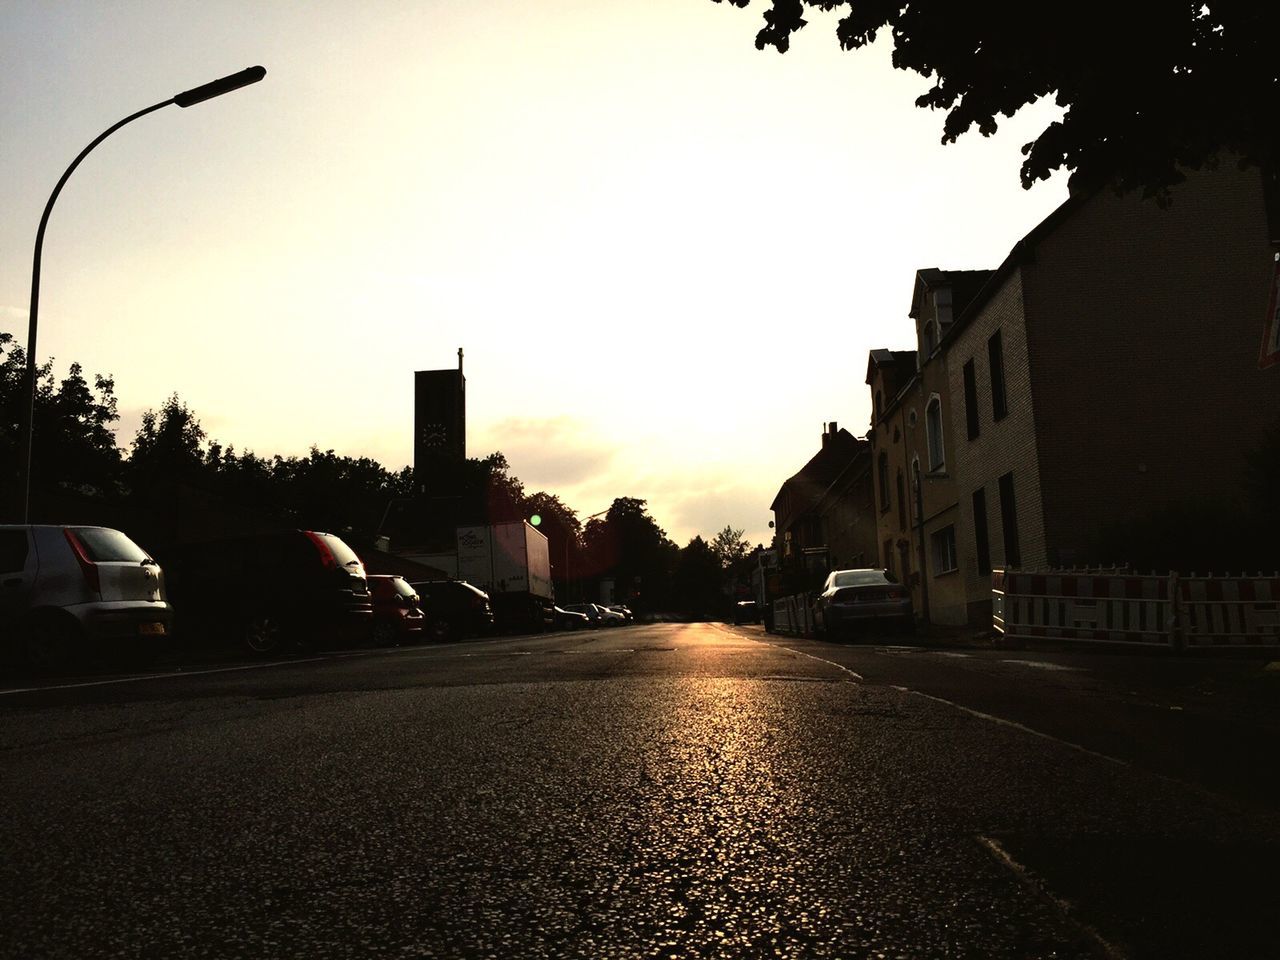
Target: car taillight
(895, 594)
(87, 566)
(326, 557)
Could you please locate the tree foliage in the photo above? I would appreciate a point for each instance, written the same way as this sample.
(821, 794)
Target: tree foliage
(699, 580)
(75, 442)
(1146, 88)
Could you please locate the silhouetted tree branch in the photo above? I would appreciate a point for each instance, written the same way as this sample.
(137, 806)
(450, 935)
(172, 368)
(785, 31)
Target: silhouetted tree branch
(1147, 89)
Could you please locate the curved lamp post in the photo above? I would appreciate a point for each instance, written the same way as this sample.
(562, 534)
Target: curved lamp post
(196, 95)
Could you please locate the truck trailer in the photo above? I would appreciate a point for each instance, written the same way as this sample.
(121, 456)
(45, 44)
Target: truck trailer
(511, 563)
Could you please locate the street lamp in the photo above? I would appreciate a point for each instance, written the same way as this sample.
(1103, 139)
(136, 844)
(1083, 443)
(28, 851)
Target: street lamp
(189, 98)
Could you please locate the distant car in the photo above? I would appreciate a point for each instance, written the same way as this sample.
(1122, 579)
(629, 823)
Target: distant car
(599, 616)
(68, 589)
(571, 619)
(862, 598)
(610, 617)
(627, 615)
(397, 611)
(744, 611)
(455, 609)
(270, 591)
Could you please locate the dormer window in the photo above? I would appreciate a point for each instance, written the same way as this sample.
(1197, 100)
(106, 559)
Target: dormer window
(942, 307)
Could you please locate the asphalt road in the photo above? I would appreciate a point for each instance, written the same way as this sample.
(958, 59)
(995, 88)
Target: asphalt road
(653, 791)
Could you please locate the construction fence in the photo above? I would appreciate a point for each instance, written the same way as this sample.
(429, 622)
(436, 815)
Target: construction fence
(1120, 607)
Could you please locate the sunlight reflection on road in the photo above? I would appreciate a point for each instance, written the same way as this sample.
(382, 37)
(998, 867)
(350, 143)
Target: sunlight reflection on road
(721, 818)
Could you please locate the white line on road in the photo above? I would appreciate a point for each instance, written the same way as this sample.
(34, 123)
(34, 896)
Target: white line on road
(1012, 723)
(1044, 665)
(157, 676)
(831, 663)
(1018, 870)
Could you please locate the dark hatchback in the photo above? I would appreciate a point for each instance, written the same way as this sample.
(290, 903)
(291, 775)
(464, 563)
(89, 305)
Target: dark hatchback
(269, 592)
(455, 609)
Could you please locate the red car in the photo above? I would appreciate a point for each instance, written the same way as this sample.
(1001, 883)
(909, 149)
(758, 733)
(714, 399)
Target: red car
(397, 610)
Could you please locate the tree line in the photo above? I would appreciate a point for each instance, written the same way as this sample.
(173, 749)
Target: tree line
(174, 482)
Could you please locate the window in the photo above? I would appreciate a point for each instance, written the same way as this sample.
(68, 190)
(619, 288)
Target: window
(933, 424)
(108, 546)
(882, 474)
(944, 550)
(13, 551)
(971, 400)
(1009, 521)
(902, 504)
(942, 306)
(928, 340)
(995, 358)
(879, 405)
(980, 535)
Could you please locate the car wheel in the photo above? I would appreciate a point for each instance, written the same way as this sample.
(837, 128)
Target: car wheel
(51, 644)
(440, 630)
(263, 634)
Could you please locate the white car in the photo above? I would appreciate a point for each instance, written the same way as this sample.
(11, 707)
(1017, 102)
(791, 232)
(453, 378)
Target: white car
(63, 588)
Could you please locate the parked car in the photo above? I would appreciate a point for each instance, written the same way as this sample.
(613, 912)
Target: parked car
(71, 589)
(596, 614)
(571, 619)
(862, 598)
(397, 610)
(622, 609)
(270, 591)
(601, 616)
(455, 609)
(745, 611)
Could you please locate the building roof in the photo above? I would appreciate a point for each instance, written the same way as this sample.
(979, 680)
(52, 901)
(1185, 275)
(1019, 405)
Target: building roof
(964, 285)
(881, 357)
(812, 480)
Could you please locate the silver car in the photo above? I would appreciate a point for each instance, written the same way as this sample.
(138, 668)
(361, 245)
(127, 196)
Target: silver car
(67, 588)
(862, 598)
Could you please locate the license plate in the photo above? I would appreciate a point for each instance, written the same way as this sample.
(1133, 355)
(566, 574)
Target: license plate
(151, 629)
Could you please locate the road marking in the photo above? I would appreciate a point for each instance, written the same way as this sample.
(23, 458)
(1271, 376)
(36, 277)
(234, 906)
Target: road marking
(1042, 665)
(831, 663)
(501, 653)
(1014, 724)
(157, 676)
(944, 653)
(1002, 857)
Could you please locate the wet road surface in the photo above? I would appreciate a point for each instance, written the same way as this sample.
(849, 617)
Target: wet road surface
(653, 791)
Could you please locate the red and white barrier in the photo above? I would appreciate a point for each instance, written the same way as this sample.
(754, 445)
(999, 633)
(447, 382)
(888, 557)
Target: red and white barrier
(1122, 607)
(1229, 611)
(1085, 605)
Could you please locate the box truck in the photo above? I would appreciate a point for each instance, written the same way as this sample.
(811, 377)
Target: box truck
(511, 563)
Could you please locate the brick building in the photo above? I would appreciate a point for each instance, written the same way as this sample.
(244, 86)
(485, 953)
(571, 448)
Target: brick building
(823, 514)
(1106, 369)
(912, 404)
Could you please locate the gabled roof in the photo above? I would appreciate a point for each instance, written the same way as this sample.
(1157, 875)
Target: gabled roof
(964, 285)
(812, 480)
(880, 358)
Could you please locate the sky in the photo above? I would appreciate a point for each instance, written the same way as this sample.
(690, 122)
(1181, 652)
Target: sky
(665, 253)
